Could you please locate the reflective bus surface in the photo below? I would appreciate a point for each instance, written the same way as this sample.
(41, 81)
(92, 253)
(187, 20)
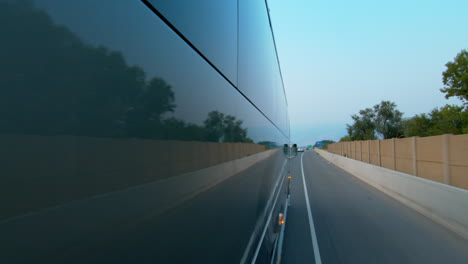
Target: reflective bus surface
(140, 132)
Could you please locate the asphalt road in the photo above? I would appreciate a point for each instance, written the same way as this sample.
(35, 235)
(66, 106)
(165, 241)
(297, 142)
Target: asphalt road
(356, 223)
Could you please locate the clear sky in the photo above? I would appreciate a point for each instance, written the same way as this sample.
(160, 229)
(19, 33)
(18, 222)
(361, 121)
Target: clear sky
(338, 57)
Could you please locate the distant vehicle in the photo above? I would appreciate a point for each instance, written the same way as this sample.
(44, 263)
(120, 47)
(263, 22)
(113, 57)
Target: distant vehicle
(300, 150)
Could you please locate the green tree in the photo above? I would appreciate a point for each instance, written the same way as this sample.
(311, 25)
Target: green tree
(214, 126)
(175, 129)
(54, 83)
(363, 127)
(247, 140)
(327, 142)
(233, 131)
(455, 78)
(226, 128)
(346, 138)
(144, 117)
(388, 120)
(419, 125)
(450, 119)
(383, 120)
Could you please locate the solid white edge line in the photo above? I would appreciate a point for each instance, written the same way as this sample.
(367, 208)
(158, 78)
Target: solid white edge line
(311, 220)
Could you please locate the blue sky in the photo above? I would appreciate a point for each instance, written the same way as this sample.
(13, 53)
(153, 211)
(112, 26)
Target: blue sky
(338, 57)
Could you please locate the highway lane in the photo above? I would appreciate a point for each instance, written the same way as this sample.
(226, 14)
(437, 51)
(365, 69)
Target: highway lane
(356, 223)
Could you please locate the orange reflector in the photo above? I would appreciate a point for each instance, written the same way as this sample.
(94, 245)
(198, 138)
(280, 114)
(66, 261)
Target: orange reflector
(281, 219)
(289, 176)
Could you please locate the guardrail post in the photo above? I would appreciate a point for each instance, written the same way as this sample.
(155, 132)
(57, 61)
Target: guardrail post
(415, 157)
(445, 153)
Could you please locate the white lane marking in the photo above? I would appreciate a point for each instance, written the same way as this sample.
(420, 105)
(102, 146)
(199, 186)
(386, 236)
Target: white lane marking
(254, 233)
(311, 220)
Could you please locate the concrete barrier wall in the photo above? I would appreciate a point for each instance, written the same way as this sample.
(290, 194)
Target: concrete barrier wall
(374, 152)
(366, 151)
(386, 153)
(404, 155)
(42, 171)
(442, 158)
(444, 204)
(458, 160)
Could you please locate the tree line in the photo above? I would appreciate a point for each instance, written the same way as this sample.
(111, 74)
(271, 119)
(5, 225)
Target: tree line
(384, 120)
(53, 83)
